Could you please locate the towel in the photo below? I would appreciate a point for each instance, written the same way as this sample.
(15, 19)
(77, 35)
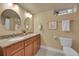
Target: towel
(65, 25)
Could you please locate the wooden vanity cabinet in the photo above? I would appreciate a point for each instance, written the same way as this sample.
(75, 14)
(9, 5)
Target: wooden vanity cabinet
(27, 47)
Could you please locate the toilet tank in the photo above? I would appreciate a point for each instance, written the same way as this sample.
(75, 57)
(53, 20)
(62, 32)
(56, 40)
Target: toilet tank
(65, 41)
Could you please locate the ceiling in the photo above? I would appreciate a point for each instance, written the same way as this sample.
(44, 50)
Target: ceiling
(41, 7)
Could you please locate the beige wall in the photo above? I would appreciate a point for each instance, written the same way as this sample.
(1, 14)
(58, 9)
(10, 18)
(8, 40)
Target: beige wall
(48, 35)
(21, 12)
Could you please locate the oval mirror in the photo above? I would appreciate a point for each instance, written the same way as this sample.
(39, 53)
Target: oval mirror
(28, 24)
(10, 19)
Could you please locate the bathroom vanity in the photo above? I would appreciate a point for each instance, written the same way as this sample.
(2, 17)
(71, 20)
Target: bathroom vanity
(27, 45)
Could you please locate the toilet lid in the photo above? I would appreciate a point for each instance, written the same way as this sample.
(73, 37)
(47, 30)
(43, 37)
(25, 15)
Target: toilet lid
(69, 51)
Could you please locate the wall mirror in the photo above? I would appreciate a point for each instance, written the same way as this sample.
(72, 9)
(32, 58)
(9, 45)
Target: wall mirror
(10, 19)
(28, 23)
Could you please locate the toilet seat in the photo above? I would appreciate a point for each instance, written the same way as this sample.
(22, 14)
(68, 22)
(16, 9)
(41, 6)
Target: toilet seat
(69, 51)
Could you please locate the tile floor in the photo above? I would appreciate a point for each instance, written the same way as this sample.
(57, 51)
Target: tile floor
(44, 52)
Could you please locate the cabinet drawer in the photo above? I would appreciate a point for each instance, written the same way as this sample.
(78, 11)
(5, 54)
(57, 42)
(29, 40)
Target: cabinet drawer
(28, 41)
(14, 48)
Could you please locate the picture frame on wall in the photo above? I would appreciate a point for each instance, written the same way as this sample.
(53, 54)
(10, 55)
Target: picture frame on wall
(52, 25)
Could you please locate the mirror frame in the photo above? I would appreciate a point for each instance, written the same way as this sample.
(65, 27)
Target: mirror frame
(8, 13)
(29, 25)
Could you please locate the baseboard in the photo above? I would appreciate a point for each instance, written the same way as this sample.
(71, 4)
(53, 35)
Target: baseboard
(52, 49)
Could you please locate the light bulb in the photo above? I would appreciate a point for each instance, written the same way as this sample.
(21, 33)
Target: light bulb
(28, 15)
(16, 7)
(10, 4)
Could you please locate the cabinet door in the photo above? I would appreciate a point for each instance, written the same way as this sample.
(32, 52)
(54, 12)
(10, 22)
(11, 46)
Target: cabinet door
(19, 53)
(29, 50)
(12, 49)
(36, 45)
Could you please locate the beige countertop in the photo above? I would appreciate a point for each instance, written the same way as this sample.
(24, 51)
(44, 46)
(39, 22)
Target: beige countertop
(12, 40)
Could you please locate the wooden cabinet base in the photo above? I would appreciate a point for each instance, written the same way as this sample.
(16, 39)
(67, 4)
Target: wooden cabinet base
(27, 47)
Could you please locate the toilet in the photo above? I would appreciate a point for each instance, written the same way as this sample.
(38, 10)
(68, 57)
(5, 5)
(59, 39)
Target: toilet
(66, 44)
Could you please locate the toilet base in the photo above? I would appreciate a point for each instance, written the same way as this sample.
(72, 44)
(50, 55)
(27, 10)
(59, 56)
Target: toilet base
(69, 51)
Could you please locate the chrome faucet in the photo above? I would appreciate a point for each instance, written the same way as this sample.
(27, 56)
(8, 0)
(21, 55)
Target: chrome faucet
(13, 35)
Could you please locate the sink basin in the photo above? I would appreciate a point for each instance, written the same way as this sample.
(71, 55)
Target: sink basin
(2, 40)
(15, 38)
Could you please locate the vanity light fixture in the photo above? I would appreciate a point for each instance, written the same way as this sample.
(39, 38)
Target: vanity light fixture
(66, 11)
(28, 15)
(10, 4)
(16, 7)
